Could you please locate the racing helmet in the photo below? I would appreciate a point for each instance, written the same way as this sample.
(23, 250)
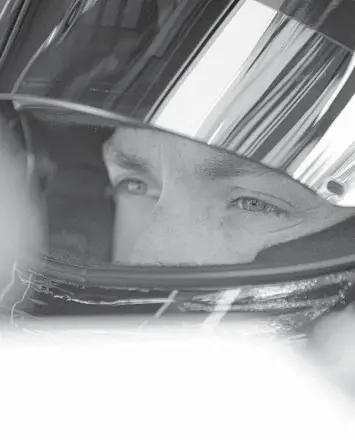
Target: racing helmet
(284, 102)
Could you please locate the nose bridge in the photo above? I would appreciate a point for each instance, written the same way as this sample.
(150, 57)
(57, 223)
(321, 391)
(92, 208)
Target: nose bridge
(174, 167)
(174, 229)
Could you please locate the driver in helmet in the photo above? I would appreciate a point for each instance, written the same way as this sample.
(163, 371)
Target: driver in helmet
(181, 202)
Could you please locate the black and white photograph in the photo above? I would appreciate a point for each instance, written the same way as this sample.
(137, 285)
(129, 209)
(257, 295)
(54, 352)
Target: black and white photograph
(177, 194)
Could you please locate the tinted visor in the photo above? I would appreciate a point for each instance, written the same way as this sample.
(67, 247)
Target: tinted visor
(271, 80)
(285, 97)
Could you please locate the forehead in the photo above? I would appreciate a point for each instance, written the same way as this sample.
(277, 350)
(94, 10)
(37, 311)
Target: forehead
(154, 152)
(154, 148)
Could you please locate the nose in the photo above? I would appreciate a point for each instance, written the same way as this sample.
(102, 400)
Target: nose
(181, 234)
(164, 241)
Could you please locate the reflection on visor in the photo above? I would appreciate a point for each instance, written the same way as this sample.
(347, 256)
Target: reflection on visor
(284, 99)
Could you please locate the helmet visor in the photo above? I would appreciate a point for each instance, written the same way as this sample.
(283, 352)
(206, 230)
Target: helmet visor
(284, 98)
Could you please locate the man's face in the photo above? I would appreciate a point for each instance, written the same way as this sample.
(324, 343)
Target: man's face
(179, 202)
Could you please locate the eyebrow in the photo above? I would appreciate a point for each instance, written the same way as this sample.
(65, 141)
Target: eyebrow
(130, 161)
(224, 168)
(213, 169)
(221, 168)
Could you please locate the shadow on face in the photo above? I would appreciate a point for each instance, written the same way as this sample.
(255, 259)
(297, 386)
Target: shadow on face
(181, 202)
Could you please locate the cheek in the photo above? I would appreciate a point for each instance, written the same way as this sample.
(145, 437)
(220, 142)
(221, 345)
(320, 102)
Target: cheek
(131, 216)
(244, 235)
(310, 222)
(185, 230)
(200, 234)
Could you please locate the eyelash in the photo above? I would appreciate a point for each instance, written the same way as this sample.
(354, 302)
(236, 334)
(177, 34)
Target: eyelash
(245, 204)
(131, 185)
(259, 205)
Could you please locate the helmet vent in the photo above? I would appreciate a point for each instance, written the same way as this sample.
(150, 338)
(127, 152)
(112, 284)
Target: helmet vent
(335, 187)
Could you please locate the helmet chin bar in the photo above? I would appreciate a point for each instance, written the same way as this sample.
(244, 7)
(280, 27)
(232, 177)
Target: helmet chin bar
(284, 307)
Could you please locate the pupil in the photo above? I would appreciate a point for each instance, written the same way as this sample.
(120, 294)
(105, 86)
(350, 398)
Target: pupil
(135, 186)
(254, 203)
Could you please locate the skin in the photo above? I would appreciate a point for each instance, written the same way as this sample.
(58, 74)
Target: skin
(176, 188)
(180, 202)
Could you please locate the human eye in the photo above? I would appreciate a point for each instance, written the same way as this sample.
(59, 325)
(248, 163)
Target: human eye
(132, 186)
(255, 205)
